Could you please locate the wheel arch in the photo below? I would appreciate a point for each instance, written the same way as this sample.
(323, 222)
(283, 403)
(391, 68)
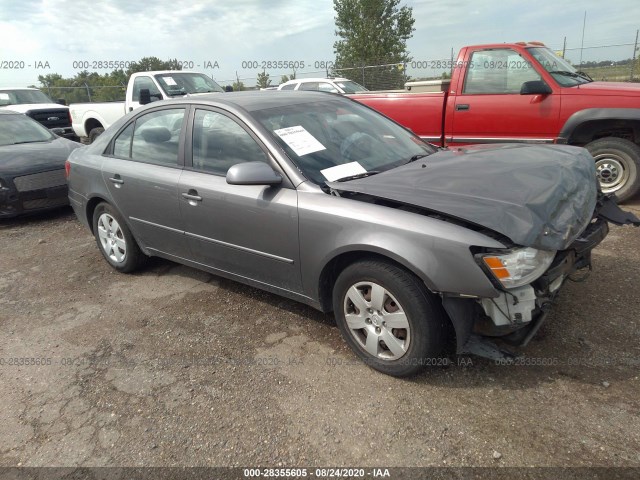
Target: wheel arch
(91, 123)
(591, 124)
(93, 202)
(342, 259)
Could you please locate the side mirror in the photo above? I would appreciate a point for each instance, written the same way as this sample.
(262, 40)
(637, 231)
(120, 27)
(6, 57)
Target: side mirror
(535, 87)
(61, 101)
(145, 96)
(253, 173)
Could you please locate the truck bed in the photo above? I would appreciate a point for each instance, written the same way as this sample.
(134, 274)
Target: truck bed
(422, 113)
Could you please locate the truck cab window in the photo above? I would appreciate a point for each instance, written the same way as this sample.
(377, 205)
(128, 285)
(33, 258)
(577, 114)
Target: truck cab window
(500, 71)
(143, 82)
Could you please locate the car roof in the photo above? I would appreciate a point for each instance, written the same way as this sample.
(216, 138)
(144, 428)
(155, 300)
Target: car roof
(4, 111)
(18, 88)
(164, 72)
(318, 79)
(261, 99)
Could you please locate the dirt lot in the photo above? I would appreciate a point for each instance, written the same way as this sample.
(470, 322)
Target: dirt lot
(172, 366)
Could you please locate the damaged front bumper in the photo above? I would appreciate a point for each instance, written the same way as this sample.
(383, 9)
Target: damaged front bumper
(517, 314)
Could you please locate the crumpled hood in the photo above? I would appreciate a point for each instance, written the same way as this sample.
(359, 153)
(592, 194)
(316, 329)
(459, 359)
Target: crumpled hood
(540, 196)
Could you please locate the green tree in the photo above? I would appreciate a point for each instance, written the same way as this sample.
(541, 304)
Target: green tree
(88, 86)
(238, 86)
(263, 80)
(372, 32)
(147, 64)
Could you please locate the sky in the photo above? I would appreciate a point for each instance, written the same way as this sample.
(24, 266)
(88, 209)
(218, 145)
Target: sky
(228, 39)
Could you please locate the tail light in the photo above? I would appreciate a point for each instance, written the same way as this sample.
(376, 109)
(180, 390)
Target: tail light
(67, 169)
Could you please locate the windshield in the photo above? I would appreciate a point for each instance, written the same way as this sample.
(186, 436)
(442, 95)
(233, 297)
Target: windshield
(350, 87)
(180, 83)
(21, 129)
(18, 97)
(318, 136)
(559, 68)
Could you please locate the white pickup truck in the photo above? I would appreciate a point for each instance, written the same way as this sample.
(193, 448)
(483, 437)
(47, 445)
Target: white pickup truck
(35, 104)
(91, 119)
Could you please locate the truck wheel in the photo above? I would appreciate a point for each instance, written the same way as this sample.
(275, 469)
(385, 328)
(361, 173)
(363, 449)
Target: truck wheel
(388, 317)
(617, 166)
(114, 239)
(95, 133)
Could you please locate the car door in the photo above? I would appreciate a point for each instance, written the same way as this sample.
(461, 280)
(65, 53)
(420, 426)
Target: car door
(142, 170)
(247, 230)
(489, 108)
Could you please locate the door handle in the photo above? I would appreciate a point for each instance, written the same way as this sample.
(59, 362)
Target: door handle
(462, 106)
(116, 180)
(192, 196)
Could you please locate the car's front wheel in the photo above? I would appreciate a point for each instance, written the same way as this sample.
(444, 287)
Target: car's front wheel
(617, 165)
(114, 239)
(388, 317)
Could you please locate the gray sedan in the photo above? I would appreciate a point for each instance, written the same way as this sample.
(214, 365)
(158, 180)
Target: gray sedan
(417, 251)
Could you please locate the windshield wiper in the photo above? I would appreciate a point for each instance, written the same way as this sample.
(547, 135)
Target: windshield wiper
(29, 141)
(417, 157)
(580, 75)
(357, 176)
(585, 75)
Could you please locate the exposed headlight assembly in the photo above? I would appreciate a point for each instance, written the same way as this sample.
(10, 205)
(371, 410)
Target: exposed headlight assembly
(518, 267)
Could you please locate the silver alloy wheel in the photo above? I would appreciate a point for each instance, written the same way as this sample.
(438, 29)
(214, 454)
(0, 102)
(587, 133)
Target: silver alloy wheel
(377, 321)
(112, 238)
(611, 172)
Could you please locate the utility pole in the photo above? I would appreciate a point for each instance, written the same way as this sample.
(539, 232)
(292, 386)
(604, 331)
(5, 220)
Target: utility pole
(633, 61)
(584, 24)
(564, 47)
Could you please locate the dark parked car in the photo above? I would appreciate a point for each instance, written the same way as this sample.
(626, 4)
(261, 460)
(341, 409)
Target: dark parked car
(320, 199)
(32, 161)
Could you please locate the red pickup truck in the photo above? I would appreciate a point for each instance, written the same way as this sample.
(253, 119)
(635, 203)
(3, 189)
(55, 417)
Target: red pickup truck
(523, 92)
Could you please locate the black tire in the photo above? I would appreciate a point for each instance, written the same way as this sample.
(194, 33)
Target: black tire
(132, 256)
(402, 290)
(618, 166)
(95, 133)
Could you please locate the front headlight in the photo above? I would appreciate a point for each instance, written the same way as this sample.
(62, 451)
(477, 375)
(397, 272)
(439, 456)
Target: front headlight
(518, 267)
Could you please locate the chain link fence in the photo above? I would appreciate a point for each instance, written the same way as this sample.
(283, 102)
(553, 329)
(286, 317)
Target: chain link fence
(608, 63)
(86, 93)
(614, 63)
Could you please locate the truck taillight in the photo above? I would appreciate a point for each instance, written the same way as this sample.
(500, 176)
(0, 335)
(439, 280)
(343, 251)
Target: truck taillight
(69, 113)
(67, 169)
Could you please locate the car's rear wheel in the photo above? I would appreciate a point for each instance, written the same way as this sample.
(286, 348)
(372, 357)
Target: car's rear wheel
(388, 317)
(114, 239)
(617, 166)
(95, 133)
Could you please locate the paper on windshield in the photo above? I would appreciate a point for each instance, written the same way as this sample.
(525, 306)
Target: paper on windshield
(169, 81)
(299, 140)
(341, 171)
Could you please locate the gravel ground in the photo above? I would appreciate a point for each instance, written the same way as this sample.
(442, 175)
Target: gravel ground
(175, 367)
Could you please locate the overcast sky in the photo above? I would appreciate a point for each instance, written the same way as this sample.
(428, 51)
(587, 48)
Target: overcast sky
(61, 32)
